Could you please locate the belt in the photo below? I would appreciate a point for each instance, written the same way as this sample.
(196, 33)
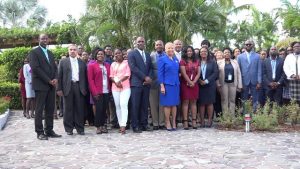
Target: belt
(75, 82)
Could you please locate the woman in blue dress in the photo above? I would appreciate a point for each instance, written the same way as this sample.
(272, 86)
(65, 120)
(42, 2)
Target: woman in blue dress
(168, 77)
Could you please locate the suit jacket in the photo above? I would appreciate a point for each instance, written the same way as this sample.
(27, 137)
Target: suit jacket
(139, 70)
(237, 73)
(65, 76)
(42, 70)
(279, 74)
(168, 70)
(95, 78)
(251, 73)
(211, 73)
(154, 59)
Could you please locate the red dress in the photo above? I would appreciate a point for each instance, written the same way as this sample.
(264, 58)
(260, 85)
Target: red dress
(188, 92)
(22, 83)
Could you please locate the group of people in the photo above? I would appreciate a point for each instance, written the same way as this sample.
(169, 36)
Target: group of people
(173, 83)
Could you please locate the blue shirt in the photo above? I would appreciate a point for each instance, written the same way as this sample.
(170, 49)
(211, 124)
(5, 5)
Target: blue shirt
(45, 50)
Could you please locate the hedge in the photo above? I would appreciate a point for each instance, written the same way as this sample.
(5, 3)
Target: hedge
(4, 104)
(11, 90)
(13, 59)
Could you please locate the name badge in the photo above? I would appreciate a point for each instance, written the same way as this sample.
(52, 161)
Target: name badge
(229, 77)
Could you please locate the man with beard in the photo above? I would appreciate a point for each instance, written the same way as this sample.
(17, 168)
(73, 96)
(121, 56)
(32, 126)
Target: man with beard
(273, 76)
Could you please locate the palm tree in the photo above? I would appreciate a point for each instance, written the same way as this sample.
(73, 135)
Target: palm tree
(13, 13)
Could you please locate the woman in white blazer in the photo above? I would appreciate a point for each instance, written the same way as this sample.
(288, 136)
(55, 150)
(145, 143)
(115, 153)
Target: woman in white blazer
(230, 80)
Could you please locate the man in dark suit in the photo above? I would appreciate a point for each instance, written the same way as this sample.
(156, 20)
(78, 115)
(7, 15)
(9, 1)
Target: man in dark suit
(72, 84)
(274, 76)
(140, 81)
(44, 80)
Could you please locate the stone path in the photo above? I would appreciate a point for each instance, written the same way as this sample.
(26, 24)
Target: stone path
(202, 148)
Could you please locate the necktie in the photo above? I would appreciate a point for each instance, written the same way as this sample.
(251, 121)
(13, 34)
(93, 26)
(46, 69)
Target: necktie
(144, 57)
(273, 64)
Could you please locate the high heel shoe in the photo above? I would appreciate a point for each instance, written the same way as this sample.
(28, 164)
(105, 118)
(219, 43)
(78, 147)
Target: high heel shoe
(186, 126)
(194, 126)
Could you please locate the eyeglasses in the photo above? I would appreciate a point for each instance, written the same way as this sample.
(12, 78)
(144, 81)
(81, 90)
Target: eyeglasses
(248, 44)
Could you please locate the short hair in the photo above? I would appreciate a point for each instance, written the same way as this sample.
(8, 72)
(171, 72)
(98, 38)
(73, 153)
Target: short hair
(205, 42)
(227, 48)
(107, 46)
(294, 43)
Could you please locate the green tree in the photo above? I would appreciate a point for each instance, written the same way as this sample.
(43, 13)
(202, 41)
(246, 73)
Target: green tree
(290, 13)
(13, 13)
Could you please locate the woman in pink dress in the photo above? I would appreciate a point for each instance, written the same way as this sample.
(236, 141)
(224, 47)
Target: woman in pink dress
(190, 73)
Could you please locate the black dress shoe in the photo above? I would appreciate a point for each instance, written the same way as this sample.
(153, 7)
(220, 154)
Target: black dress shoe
(42, 137)
(136, 130)
(162, 127)
(69, 133)
(53, 135)
(155, 127)
(146, 128)
(81, 133)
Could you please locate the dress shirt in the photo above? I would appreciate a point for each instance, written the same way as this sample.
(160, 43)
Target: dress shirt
(273, 65)
(248, 56)
(75, 69)
(142, 52)
(105, 78)
(46, 53)
(178, 55)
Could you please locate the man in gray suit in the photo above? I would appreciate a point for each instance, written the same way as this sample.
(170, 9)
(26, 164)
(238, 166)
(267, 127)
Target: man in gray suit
(72, 84)
(156, 110)
(251, 70)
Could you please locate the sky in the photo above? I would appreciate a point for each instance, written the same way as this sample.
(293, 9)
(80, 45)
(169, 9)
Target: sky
(58, 10)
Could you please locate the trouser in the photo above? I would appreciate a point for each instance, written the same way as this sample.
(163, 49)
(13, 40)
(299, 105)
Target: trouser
(157, 113)
(121, 99)
(101, 108)
(44, 100)
(228, 97)
(254, 94)
(74, 109)
(275, 95)
(139, 106)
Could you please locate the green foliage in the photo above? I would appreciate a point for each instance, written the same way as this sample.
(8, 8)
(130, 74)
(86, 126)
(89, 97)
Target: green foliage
(293, 110)
(265, 119)
(61, 33)
(286, 42)
(281, 113)
(290, 13)
(4, 104)
(3, 74)
(12, 60)
(248, 109)
(230, 120)
(9, 89)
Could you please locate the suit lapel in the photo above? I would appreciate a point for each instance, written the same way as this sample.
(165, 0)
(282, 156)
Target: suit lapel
(141, 57)
(43, 55)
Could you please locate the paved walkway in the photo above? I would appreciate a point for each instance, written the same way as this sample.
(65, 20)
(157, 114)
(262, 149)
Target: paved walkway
(202, 148)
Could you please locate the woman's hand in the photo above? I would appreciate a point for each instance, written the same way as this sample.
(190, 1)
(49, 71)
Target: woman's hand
(162, 89)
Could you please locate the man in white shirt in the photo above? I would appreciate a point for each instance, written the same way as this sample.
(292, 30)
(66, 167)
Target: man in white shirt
(292, 71)
(72, 85)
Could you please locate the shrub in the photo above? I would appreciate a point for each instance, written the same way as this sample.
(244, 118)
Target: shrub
(4, 104)
(264, 121)
(11, 90)
(281, 113)
(13, 60)
(293, 112)
(230, 120)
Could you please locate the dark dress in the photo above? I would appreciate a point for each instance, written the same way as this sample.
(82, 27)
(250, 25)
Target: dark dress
(207, 92)
(22, 83)
(186, 91)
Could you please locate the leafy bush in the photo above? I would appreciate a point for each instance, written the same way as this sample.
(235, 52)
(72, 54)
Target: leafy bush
(230, 120)
(13, 60)
(4, 104)
(293, 112)
(3, 73)
(11, 90)
(265, 121)
(281, 113)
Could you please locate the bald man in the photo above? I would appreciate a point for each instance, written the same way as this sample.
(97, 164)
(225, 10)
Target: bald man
(157, 113)
(178, 48)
